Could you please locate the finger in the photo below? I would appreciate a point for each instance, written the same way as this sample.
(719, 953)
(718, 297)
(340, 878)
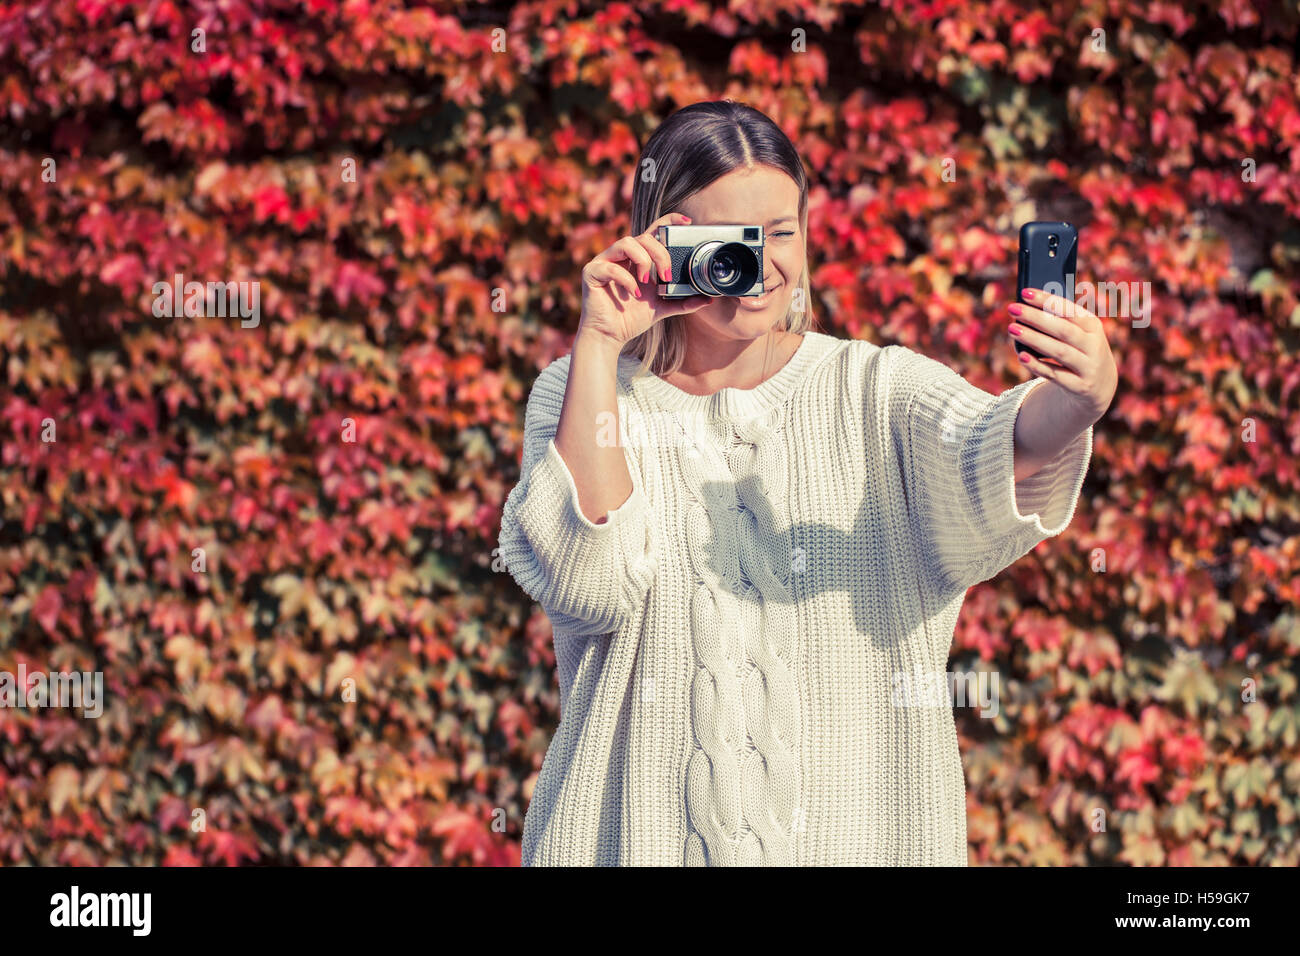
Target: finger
(650, 239)
(1047, 345)
(686, 306)
(1061, 329)
(667, 219)
(1062, 377)
(611, 273)
(1052, 336)
(640, 255)
(663, 262)
(628, 249)
(1059, 305)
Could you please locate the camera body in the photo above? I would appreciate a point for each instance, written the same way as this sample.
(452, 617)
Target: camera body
(715, 261)
(1048, 258)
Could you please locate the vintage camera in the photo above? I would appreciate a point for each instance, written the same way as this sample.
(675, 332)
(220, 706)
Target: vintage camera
(713, 260)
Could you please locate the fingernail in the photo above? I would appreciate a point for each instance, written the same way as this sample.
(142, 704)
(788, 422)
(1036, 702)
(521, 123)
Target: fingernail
(1029, 293)
(1014, 329)
(1013, 309)
(685, 218)
(663, 273)
(645, 275)
(1024, 356)
(637, 292)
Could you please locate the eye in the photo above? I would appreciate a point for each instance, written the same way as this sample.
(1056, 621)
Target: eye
(781, 234)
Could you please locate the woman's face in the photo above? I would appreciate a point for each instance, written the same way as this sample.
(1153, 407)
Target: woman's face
(767, 197)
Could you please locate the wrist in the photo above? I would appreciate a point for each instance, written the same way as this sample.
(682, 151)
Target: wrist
(1079, 412)
(597, 343)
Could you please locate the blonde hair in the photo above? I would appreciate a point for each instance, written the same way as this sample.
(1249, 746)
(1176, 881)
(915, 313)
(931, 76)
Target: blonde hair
(695, 146)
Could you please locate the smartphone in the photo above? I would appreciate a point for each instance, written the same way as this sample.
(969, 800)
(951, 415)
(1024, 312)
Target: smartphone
(1048, 252)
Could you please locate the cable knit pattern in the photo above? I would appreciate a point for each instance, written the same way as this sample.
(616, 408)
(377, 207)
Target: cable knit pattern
(743, 780)
(728, 641)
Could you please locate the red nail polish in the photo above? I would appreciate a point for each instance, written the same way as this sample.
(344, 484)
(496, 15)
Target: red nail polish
(637, 292)
(1029, 293)
(1014, 329)
(1013, 309)
(1024, 356)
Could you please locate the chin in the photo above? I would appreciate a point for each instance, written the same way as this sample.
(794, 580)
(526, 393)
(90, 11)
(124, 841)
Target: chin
(742, 325)
(758, 323)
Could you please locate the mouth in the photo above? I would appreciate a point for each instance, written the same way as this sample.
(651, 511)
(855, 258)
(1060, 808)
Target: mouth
(751, 302)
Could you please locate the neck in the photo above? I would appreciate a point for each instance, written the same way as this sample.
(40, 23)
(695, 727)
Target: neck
(713, 363)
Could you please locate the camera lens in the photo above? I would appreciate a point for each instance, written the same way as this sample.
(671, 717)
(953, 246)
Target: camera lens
(723, 269)
(719, 268)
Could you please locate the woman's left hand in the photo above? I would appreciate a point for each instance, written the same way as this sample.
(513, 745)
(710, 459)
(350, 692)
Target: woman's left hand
(1070, 334)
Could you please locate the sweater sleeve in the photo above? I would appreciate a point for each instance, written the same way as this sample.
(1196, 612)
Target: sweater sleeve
(589, 578)
(956, 443)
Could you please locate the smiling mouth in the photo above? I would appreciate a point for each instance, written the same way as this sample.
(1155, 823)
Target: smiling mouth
(761, 300)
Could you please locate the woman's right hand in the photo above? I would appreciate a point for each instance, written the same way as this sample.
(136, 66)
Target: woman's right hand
(618, 307)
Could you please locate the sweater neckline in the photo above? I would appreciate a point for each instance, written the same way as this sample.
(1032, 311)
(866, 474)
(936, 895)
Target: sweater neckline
(735, 403)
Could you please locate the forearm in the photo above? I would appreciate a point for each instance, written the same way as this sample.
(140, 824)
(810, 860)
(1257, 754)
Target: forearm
(1047, 422)
(590, 417)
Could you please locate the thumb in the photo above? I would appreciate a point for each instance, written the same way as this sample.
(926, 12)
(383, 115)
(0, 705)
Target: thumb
(689, 305)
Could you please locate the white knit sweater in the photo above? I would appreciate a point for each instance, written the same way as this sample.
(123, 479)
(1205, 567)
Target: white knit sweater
(728, 642)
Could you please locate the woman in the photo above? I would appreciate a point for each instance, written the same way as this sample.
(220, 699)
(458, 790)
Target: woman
(738, 593)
